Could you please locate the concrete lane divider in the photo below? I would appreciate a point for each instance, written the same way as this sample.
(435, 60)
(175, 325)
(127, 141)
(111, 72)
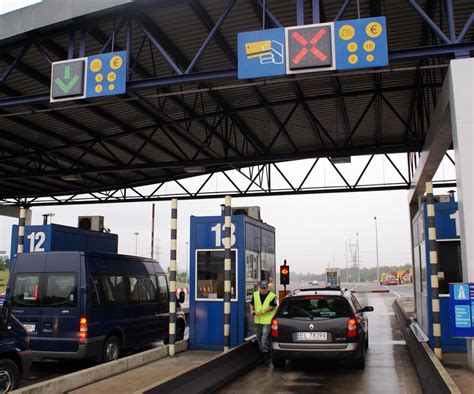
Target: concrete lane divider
(433, 376)
(211, 375)
(100, 372)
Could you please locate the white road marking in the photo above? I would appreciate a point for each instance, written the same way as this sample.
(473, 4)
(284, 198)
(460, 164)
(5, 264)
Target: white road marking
(394, 292)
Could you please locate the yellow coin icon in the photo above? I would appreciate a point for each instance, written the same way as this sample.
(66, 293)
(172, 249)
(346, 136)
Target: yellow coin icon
(96, 65)
(115, 62)
(370, 58)
(99, 78)
(353, 59)
(352, 47)
(98, 88)
(111, 76)
(347, 32)
(369, 45)
(111, 86)
(373, 29)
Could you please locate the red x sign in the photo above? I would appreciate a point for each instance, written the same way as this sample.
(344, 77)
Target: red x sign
(303, 41)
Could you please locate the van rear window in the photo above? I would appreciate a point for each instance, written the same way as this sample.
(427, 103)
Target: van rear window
(26, 290)
(61, 290)
(315, 308)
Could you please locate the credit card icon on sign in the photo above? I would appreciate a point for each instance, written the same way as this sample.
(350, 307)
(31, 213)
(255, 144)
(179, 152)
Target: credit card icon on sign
(268, 51)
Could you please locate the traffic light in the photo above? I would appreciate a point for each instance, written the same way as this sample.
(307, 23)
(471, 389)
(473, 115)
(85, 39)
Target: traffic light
(284, 274)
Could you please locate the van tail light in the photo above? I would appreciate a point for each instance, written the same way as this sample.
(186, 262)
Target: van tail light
(275, 328)
(83, 328)
(352, 328)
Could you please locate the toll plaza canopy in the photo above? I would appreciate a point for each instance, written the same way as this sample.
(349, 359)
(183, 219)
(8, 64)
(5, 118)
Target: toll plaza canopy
(186, 113)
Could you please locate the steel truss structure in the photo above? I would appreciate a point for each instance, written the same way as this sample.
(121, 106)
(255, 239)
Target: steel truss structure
(184, 112)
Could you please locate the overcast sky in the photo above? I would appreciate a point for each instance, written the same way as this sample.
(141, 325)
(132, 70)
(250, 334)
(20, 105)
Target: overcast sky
(310, 229)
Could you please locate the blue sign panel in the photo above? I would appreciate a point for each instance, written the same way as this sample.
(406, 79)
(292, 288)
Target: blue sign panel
(261, 53)
(462, 309)
(361, 43)
(106, 74)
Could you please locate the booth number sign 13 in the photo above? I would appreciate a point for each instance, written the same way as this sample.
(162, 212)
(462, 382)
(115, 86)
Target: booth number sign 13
(218, 229)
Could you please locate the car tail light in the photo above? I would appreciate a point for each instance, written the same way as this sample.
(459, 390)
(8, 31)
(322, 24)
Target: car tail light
(351, 328)
(275, 328)
(83, 328)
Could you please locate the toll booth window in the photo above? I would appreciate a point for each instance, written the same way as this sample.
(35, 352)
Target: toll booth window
(210, 274)
(61, 291)
(115, 289)
(26, 290)
(267, 271)
(449, 264)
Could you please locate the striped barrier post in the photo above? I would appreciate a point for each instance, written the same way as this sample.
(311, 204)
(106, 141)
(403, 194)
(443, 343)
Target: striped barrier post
(433, 248)
(172, 293)
(21, 231)
(227, 271)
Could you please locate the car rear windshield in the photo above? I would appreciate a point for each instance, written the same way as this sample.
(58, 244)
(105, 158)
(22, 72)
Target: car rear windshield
(314, 307)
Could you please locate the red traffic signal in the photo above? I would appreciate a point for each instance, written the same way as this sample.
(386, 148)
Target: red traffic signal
(284, 274)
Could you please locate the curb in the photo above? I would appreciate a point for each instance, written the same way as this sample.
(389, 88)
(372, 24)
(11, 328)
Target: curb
(433, 376)
(211, 375)
(100, 372)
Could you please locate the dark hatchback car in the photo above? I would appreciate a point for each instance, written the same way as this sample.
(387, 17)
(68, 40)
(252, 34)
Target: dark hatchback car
(15, 356)
(320, 324)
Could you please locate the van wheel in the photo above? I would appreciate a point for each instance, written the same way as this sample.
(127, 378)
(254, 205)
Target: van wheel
(9, 376)
(111, 349)
(180, 330)
(278, 362)
(359, 362)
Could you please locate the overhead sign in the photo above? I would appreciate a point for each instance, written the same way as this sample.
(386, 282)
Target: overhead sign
(310, 48)
(361, 43)
(261, 53)
(68, 80)
(106, 74)
(462, 309)
(87, 77)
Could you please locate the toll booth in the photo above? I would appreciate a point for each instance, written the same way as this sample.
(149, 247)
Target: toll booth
(449, 260)
(55, 237)
(253, 259)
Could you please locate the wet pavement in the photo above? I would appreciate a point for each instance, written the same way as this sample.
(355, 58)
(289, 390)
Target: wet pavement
(389, 367)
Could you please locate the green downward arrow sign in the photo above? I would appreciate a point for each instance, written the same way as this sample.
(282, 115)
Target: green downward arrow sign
(66, 87)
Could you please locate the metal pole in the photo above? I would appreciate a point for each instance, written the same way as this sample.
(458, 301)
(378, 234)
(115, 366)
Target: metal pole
(227, 271)
(433, 248)
(377, 248)
(347, 265)
(136, 244)
(152, 230)
(172, 306)
(358, 259)
(187, 263)
(21, 231)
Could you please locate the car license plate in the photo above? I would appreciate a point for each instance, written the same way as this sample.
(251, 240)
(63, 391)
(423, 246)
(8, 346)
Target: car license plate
(30, 327)
(311, 336)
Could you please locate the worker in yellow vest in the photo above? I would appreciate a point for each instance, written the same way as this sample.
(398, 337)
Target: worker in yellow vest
(262, 308)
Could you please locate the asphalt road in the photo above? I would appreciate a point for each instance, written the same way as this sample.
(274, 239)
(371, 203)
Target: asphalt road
(389, 367)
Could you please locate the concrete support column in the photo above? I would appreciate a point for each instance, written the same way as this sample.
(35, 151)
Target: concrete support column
(173, 247)
(461, 75)
(21, 231)
(227, 270)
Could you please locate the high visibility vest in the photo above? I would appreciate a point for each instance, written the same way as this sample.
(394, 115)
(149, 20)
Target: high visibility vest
(258, 306)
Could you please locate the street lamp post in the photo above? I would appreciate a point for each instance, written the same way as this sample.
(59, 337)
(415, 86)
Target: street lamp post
(136, 244)
(377, 248)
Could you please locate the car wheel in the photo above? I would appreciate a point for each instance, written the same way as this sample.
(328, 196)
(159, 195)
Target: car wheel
(359, 362)
(111, 349)
(278, 362)
(9, 376)
(180, 327)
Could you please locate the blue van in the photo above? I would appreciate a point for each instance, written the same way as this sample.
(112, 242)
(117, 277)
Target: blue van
(78, 305)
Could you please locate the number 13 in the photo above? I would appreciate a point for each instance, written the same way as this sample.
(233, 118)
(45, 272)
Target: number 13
(218, 229)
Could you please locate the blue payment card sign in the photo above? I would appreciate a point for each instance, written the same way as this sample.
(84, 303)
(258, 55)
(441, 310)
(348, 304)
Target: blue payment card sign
(261, 53)
(106, 74)
(462, 309)
(361, 43)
